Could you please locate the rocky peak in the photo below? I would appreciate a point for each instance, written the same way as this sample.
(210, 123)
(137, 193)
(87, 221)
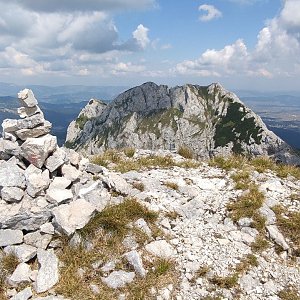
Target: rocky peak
(209, 120)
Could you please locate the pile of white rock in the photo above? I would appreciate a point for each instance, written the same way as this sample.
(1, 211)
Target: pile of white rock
(44, 190)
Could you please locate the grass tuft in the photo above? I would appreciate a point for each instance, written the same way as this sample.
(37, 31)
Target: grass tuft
(171, 185)
(227, 282)
(129, 152)
(229, 163)
(260, 244)
(139, 186)
(289, 293)
(185, 152)
(246, 205)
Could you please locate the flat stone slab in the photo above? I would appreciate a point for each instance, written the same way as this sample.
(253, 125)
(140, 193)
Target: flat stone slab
(23, 252)
(11, 175)
(10, 237)
(48, 274)
(23, 295)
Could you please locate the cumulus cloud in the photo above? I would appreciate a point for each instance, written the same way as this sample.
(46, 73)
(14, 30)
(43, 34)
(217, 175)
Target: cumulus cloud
(56, 37)
(276, 52)
(81, 5)
(210, 13)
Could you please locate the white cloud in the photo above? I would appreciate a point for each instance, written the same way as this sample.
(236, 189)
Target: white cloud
(81, 5)
(210, 12)
(141, 36)
(276, 52)
(61, 40)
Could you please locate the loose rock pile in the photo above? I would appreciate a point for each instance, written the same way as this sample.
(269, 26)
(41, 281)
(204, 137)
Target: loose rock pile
(47, 191)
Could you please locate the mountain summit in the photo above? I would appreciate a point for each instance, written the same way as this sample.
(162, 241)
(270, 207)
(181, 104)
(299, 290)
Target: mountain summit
(209, 120)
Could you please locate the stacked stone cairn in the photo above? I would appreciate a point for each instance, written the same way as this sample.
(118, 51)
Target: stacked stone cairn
(44, 190)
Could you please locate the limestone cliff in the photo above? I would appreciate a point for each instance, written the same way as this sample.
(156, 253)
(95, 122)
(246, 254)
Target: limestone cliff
(207, 119)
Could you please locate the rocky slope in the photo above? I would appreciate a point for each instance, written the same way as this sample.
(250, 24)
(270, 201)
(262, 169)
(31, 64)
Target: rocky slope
(164, 228)
(209, 120)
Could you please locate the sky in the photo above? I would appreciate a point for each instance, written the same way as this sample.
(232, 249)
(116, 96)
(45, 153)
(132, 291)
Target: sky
(243, 44)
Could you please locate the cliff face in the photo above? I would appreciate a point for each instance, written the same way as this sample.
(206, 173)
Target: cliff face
(208, 120)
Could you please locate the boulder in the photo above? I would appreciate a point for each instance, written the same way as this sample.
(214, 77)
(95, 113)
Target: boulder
(118, 279)
(27, 98)
(134, 259)
(70, 172)
(25, 112)
(277, 236)
(26, 133)
(11, 175)
(160, 249)
(23, 252)
(37, 150)
(23, 295)
(8, 148)
(57, 159)
(58, 195)
(48, 274)
(60, 183)
(12, 194)
(72, 216)
(10, 237)
(37, 239)
(20, 275)
(36, 183)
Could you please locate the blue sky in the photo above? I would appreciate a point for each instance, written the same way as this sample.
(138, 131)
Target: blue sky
(243, 44)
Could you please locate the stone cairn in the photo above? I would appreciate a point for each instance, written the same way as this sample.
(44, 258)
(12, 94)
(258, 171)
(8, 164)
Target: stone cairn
(44, 190)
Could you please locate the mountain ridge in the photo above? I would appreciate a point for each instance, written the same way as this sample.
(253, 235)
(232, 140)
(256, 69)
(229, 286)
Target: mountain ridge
(207, 119)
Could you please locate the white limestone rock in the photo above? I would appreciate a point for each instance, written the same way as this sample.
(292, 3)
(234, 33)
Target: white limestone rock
(72, 216)
(57, 159)
(134, 259)
(118, 279)
(37, 150)
(23, 252)
(8, 148)
(47, 228)
(37, 183)
(48, 273)
(25, 294)
(60, 183)
(26, 96)
(58, 195)
(20, 275)
(25, 112)
(160, 249)
(10, 237)
(11, 175)
(70, 172)
(42, 129)
(37, 239)
(12, 194)
(277, 236)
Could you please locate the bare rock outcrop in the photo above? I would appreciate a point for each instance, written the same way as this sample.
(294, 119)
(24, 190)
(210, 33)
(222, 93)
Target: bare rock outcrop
(209, 120)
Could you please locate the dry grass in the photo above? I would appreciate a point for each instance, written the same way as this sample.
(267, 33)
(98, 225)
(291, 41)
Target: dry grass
(106, 232)
(247, 205)
(125, 163)
(249, 261)
(229, 163)
(260, 244)
(262, 163)
(284, 171)
(8, 264)
(171, 185)
(289, 224)
(226, 282)
(115, 218)
(185, 152)
(241, 179)
(129, 152)
(289, 293)
(172, 215)
(139, 186)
